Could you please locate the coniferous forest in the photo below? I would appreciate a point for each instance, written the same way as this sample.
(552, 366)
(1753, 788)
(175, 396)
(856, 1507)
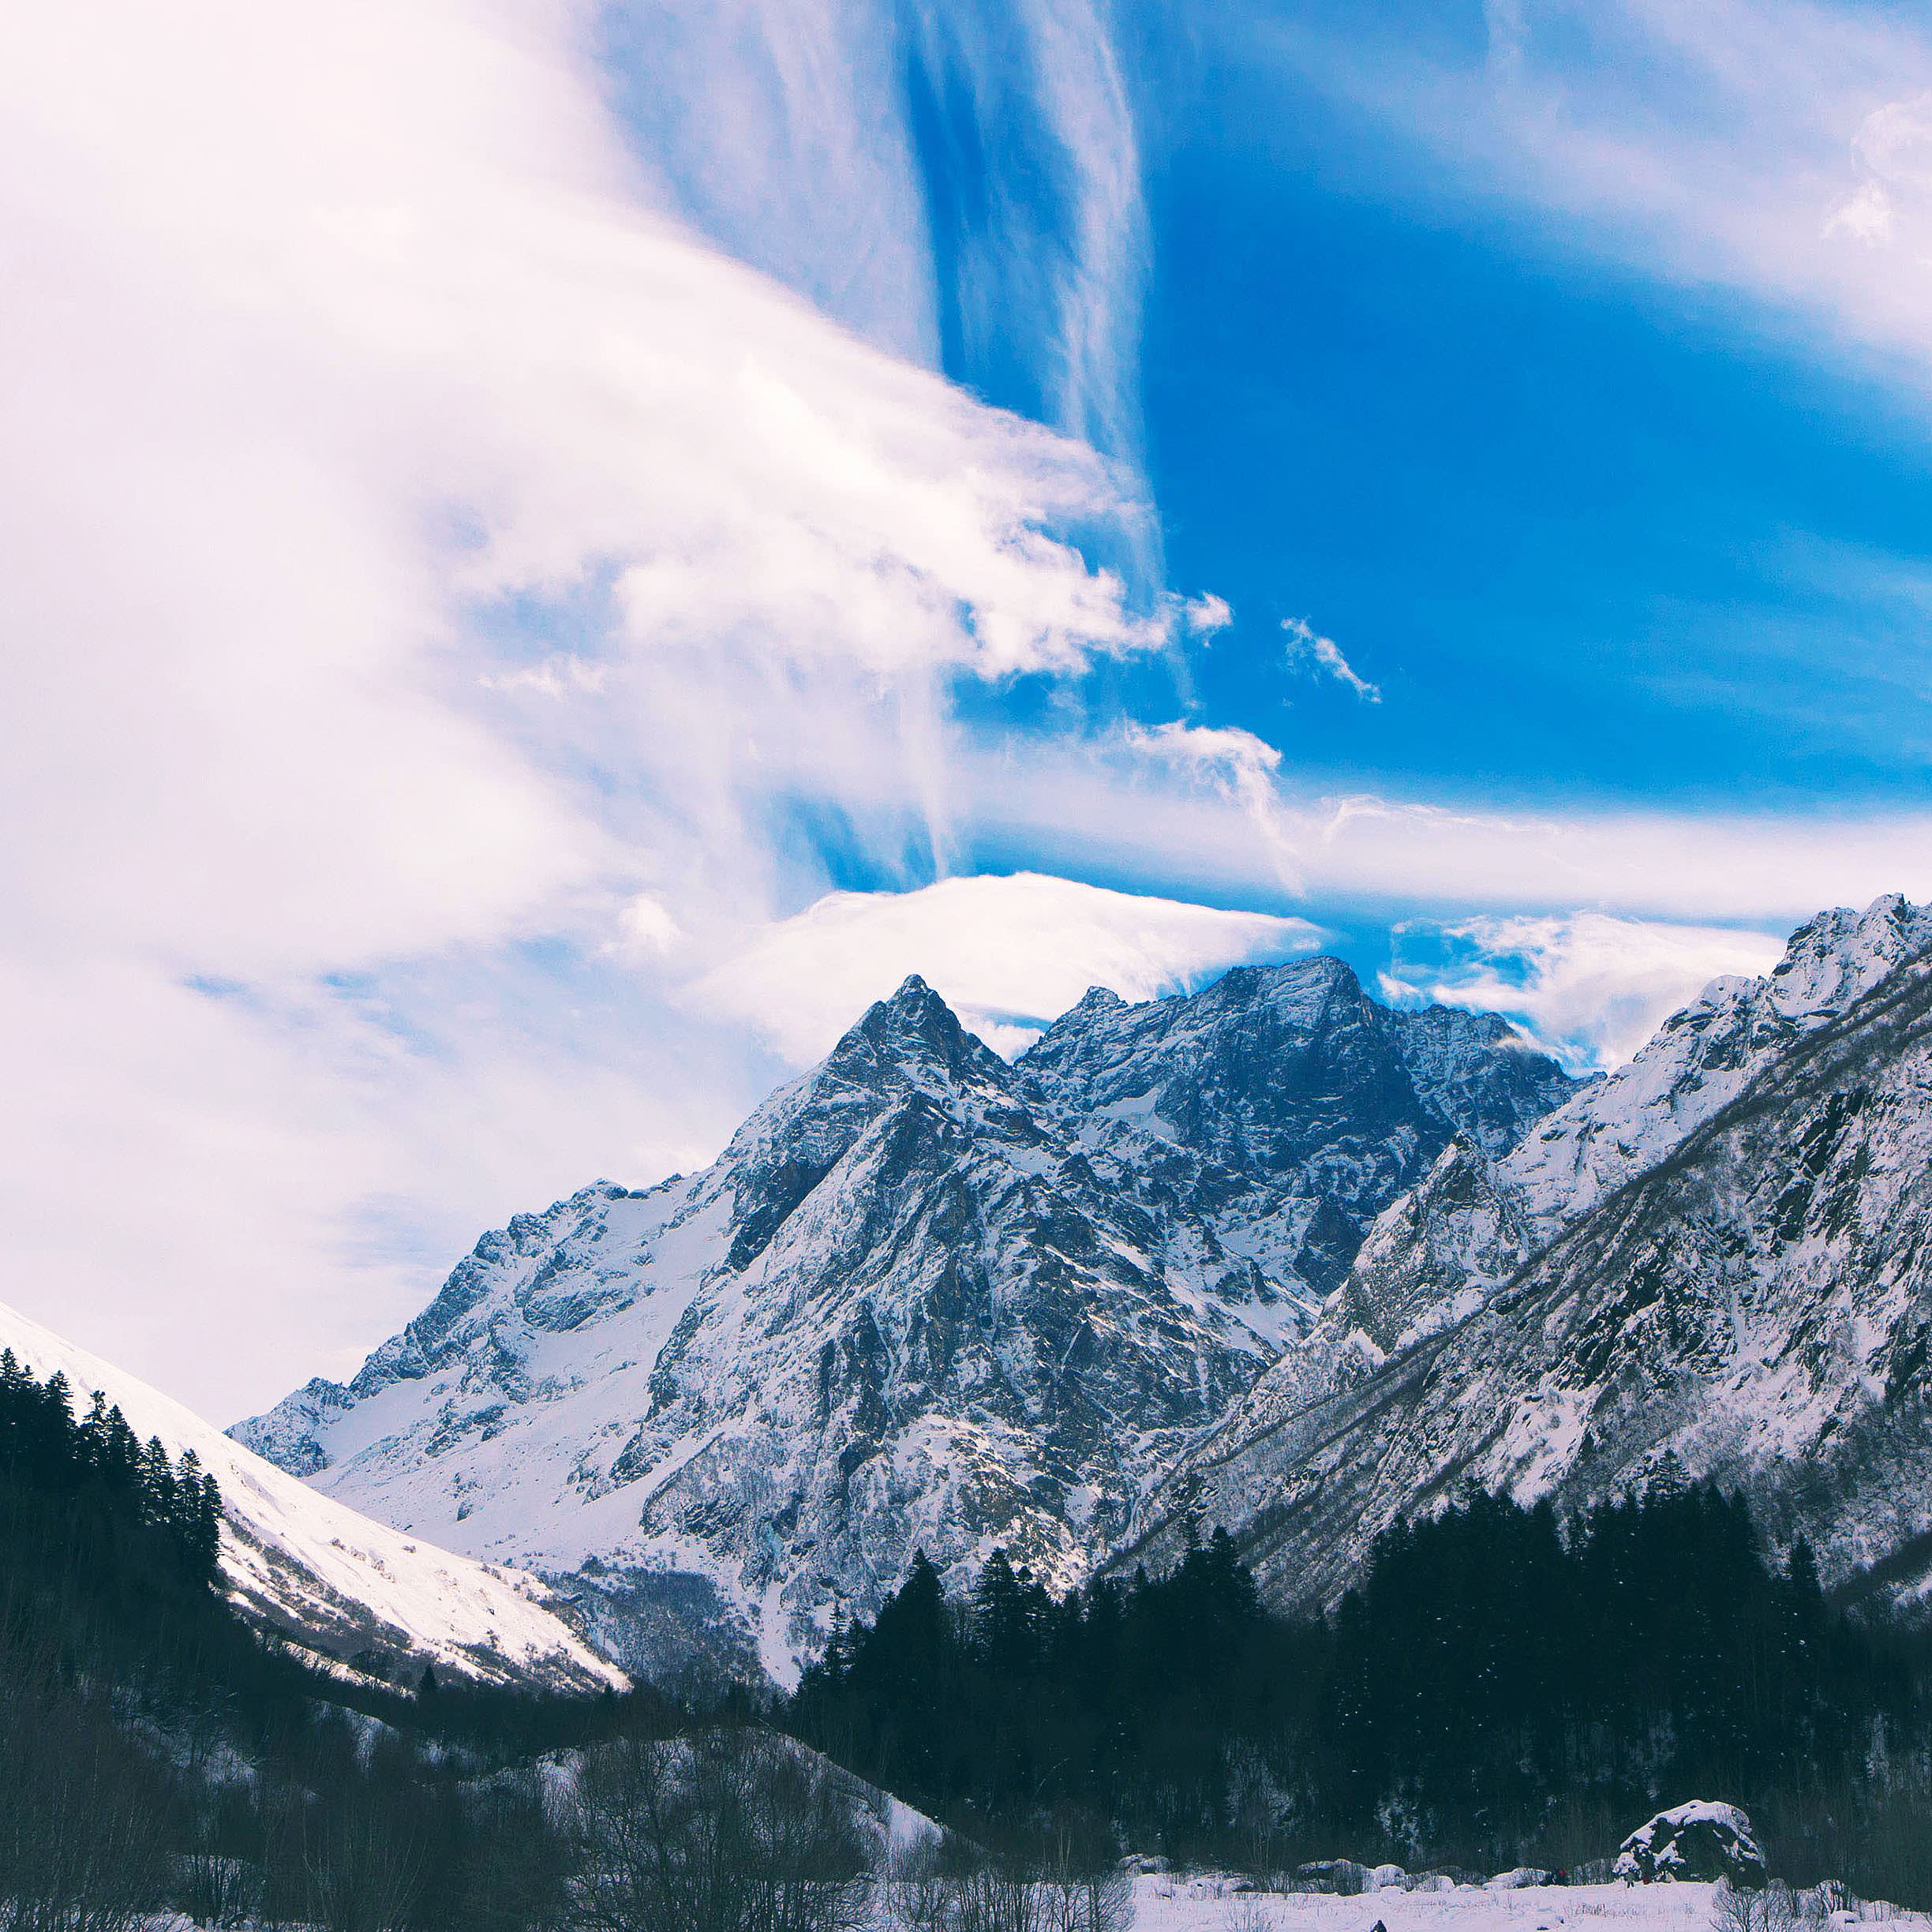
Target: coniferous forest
(1501, 1689)
(155, 1751)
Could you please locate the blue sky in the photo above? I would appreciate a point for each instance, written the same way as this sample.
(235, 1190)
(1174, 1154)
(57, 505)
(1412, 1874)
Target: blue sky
(1596, 536)
(1613, 522)
(555, 555)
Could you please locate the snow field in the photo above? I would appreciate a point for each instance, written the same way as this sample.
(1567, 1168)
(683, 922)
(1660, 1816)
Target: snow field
(1175, 1902)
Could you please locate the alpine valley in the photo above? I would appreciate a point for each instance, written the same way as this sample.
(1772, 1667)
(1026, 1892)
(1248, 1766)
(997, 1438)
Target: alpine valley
(1271, 1256)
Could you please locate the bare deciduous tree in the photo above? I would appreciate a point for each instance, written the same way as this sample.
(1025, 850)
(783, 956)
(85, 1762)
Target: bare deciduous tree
(82, 1812)
(1765, 1909)
(731, 1831)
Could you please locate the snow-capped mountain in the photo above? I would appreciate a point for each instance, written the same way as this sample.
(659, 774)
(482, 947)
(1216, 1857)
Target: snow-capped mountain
(1717, 1261)
(924, 1298)
(1284, 1108)
(311, 1568)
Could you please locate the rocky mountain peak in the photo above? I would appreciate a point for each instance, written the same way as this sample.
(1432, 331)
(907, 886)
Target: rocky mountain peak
(1705, 1056)
(1097, 999)
(915, 1027)
(909, 1047)
(1839, 955)
(924, 1299)
(1284, 1105)
(1735, 1286)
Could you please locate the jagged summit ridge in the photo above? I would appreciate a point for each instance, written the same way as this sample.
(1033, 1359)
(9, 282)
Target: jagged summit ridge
(1737, 1286)
(1283, 1106)
(924, 1297)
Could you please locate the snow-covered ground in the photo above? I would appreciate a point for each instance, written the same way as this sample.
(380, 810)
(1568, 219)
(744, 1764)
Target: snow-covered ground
(1177, 1903)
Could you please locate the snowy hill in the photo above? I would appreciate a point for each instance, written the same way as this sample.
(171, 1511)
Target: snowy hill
(1719, 1262)
(924, 1298)
(310, 1566)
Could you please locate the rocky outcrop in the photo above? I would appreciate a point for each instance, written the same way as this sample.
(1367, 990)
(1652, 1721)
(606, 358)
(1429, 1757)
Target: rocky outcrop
(1690, 1843)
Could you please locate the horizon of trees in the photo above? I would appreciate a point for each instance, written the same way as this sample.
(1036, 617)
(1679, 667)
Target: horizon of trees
(1502, 1688)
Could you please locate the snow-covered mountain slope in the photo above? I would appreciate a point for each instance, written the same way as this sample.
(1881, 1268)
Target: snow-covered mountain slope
(1701, 1058)
(313, 1569)
(1435, 1252)
(922, 1299)
(1754, 1305)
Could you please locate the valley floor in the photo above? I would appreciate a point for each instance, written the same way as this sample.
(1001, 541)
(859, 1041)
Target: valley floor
(1182, 1902)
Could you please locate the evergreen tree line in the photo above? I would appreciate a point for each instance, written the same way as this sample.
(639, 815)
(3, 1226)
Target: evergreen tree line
(159, 1756)
(156, 1752)
(1501, 1687)
(57, 1472)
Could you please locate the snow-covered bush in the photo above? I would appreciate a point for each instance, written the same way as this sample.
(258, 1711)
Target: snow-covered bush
(1763, 1909)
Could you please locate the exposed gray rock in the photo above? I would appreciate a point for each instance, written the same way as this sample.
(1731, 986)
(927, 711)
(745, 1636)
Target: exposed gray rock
(1755, 1306)
(1698, 1842)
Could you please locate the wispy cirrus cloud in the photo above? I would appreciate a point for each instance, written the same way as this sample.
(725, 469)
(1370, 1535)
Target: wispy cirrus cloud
(1323, 656)
(1591, 987)
(1219, 812)
(423, 552)
(478, 562)
(952, 182)
(1777, 147)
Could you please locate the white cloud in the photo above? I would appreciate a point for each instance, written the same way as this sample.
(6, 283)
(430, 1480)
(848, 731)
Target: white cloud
(1228, 762)
(1591, 988)
(1054, 262)
(1866, 214)
(1007, 953)
(1196, 812)
(439, 587)
(416, 545)
(778, 127)
(1325, 655)
(646, 925)
(1234, 760)
(760, 121)
(1746, 143)
(1207, 616)
(1894, 142)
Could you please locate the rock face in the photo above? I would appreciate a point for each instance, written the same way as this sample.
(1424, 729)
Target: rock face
(1283, 1106)
(1718, 1263)
(1691, 1843)
(924, 1298)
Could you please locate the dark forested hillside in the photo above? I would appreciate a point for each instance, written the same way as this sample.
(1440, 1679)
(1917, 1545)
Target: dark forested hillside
(101, 1538)
(1503, 1686)
(156, 1751)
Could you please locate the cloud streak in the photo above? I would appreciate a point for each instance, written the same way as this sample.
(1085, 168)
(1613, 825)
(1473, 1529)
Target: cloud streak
(424, 553)
(1304, 646)
(1775, 146)
(1192, 810)
(1009, 954)
(458, 616)
(1590, 987)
